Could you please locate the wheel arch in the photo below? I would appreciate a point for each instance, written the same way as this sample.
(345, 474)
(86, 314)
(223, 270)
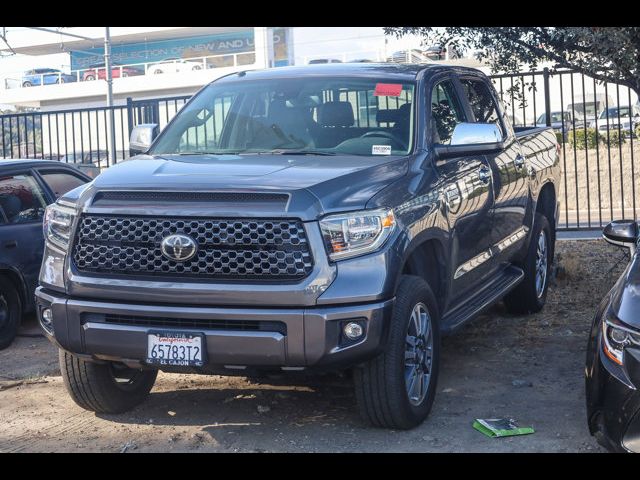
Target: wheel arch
(425, 258)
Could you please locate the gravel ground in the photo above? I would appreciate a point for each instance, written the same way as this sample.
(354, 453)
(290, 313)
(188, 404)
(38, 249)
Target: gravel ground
(529, 368)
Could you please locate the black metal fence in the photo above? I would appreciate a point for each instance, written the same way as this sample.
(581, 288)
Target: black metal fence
(80, 136)
(597, 124)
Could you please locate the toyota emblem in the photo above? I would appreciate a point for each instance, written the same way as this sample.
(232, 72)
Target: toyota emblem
(178, 248)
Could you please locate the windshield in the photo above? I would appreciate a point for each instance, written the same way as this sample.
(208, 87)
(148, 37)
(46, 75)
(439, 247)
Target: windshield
(613, 112)
(322, 115)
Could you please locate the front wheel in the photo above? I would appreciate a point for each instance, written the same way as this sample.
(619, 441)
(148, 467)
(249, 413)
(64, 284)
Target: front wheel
(104, 387)
(397, 388)
(531, 294)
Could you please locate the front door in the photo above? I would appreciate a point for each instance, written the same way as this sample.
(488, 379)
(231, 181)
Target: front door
(466, 183)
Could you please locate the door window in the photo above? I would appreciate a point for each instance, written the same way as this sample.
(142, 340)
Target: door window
(481, 101)
(446, 112)
(21, 199)
(61, 182)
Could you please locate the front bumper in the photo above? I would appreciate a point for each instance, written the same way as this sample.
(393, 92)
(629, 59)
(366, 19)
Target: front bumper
(613, 400)
(311, 337)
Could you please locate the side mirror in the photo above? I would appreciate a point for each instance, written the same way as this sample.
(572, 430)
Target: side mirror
(623, 233)
(142, 136)
(472, 138)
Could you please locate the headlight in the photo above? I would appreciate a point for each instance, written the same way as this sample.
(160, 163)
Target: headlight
(58, 220)
(352, 234)
(617, 337)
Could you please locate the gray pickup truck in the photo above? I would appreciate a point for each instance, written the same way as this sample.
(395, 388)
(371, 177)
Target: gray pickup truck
(317, 218)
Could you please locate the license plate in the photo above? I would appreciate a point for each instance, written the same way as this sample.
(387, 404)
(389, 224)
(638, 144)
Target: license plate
(175, 348)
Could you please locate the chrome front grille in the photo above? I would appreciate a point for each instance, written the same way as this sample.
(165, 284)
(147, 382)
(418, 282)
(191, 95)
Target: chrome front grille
(227, 248)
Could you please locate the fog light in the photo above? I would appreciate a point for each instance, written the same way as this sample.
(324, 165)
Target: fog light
(353, 330)
(47, 319)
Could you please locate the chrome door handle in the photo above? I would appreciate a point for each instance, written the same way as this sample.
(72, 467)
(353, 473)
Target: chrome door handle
(519, 161)
(484, 174)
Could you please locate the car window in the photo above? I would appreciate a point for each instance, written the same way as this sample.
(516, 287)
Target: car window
(21, 198)
(61, 182)
(481, 101)
(446, 112)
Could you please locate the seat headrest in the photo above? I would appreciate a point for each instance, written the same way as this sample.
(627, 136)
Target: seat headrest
(387, 116)
(335, 114)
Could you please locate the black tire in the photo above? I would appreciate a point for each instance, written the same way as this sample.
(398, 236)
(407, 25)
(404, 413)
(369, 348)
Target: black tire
(526, 298)
(94, 387)
(27, 84)
(380, 385)
(10, 312)
(89, 78)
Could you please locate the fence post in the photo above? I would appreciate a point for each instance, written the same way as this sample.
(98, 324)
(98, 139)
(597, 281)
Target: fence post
(547, 96)
(130, 114)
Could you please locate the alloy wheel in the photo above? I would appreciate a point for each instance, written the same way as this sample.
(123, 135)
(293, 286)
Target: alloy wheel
(541, 263)
(418, 354)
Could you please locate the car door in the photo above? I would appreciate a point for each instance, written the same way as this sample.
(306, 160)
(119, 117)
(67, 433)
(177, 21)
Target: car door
(509, 168)
(22, 203)
(466, 183)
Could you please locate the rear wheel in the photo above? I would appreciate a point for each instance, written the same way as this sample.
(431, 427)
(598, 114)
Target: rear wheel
(531, 294)
(105, 387)
(89, 78)
(397, 388)
(10, 312)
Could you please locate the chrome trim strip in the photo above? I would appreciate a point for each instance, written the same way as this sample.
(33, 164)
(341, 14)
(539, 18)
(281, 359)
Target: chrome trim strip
(509, 240)
(475, 262)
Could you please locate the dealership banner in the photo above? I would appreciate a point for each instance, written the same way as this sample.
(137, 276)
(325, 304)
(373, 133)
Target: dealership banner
(189, 47)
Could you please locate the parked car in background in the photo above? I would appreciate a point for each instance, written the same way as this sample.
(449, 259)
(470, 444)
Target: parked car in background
(26, 188)
(624, 118)
(175, 65)
(100, 72)
(45, 76)
(561, 122)
(316, 61)
(439, 52)
(301, 238)
(613, 353)
(408, 56)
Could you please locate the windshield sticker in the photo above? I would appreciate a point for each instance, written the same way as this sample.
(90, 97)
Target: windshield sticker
(380, 149)
(388, 90)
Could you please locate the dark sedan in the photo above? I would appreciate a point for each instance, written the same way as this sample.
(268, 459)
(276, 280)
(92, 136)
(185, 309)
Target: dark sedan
(26, 188)
(613, 354)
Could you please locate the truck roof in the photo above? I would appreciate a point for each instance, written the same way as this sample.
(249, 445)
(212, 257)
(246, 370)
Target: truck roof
(398, 71)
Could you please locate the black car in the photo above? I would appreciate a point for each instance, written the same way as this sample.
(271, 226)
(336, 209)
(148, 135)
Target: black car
(26, 188)
(613, 354)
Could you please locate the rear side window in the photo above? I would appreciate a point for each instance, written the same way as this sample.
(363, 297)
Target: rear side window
(21, 199)
(61, 183)
(446, 112)
(481, 101)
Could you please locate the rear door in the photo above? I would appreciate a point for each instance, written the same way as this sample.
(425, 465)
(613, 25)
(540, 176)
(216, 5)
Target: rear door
(466, 184)
(509, 171)
(22, 204)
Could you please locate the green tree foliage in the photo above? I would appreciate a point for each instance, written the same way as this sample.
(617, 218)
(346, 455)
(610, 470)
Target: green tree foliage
(610, 54)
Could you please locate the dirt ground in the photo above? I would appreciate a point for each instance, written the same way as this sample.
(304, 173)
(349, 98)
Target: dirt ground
(529, 368)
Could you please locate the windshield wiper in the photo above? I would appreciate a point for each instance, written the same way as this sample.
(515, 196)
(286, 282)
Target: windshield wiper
(284, 151)
(208, 153)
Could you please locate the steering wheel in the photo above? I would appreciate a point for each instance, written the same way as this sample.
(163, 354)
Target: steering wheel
(388, 135)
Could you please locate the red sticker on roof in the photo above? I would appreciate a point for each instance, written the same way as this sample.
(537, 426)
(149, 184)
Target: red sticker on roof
(388, 90)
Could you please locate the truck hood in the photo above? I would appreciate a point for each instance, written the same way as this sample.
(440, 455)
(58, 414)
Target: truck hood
(315, 184)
